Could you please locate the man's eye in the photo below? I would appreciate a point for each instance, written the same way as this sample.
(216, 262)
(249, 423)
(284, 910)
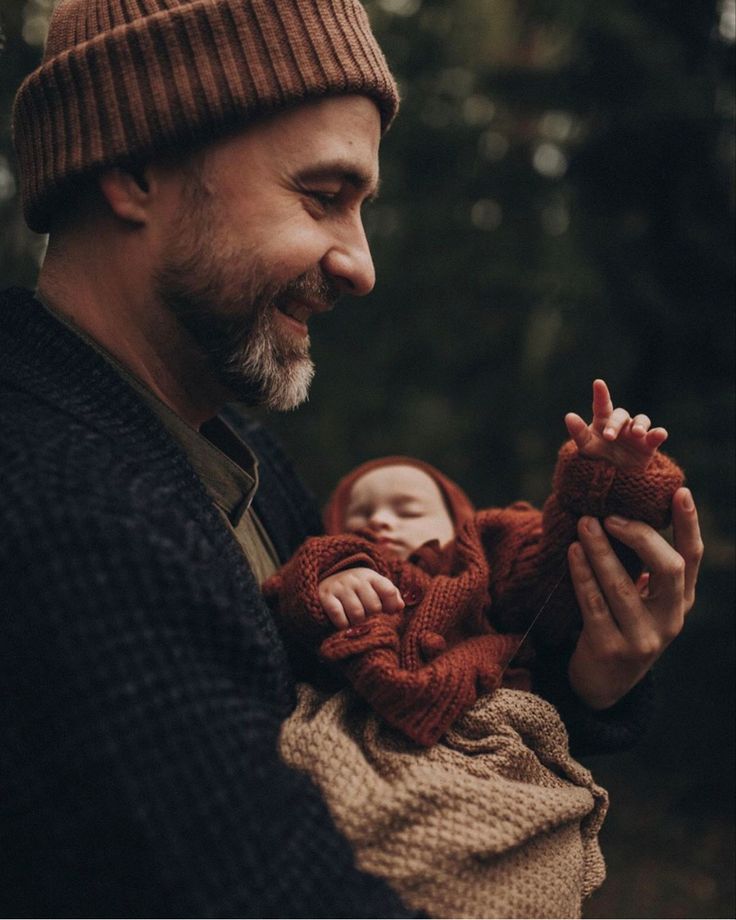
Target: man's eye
(323, 198)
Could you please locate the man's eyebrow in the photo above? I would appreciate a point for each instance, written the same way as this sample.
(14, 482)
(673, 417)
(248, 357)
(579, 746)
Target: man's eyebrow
(345, 171)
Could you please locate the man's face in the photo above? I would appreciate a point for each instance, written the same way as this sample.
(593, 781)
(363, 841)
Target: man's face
(267, 233)
(402, 505)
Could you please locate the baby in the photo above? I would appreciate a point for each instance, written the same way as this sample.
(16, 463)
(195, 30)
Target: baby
(422, 601)
(452, 781)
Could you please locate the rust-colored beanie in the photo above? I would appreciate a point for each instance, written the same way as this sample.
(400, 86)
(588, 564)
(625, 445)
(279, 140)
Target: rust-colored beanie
(458, 504)
(121, 79)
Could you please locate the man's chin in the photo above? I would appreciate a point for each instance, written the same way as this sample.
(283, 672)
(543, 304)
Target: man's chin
(280, 392)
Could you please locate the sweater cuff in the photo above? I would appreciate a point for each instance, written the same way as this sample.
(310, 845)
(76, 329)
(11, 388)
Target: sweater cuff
(591, 731)
(356, 560)
(598, 488)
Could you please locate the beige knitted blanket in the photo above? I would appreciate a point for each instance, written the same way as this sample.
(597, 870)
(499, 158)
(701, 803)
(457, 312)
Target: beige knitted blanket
(496, 820)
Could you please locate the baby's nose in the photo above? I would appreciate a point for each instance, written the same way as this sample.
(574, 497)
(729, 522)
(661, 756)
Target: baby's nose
(379, 519)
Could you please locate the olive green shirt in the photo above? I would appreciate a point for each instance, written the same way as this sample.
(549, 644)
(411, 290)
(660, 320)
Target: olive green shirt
(225, 464)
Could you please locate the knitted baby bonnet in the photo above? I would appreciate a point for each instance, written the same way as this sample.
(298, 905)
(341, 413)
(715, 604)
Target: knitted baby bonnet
(458, 504)
(123, 79)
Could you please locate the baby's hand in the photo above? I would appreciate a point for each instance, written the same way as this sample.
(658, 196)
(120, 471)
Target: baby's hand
(349, 597)
(628, 443)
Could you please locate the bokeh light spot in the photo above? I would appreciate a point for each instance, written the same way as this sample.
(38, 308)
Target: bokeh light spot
(549, 161)
(7, 181)
(486, 214)
(401, 7)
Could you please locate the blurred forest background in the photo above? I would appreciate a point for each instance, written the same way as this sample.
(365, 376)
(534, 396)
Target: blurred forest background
(557, 204)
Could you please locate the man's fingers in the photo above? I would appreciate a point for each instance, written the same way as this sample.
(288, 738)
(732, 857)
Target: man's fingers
(597, 617)
(618, 590)
(666, 590)
(687, 539)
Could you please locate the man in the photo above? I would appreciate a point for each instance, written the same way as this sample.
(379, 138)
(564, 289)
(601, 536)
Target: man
(200, 166)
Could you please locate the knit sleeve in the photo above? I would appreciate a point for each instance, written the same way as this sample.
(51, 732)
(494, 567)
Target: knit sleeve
(591, 731)
(293, 591)
(142, 691)
(583, 486)
(530, 554)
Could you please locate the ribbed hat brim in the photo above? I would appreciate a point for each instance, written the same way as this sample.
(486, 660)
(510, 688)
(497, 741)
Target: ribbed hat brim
(182, 75)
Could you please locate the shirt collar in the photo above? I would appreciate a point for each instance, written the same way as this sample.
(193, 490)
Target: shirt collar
(225, 464)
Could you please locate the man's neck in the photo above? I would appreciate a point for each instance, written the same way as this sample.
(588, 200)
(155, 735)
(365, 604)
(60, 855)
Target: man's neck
(139, 333)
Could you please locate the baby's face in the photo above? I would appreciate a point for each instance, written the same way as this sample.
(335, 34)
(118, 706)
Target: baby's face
(402, 505)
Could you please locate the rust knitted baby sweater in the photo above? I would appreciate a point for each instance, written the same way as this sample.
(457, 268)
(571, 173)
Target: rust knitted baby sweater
(468, 604)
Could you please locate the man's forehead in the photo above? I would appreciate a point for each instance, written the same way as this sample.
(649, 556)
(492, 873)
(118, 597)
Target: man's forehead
(333, 135)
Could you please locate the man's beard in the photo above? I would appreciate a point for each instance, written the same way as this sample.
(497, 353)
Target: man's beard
(228, 308)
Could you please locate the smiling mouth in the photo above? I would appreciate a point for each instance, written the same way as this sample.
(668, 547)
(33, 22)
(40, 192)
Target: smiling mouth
(296, 309)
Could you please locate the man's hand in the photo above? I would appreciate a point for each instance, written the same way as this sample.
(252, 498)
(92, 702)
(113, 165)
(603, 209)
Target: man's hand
(627, 626)
(613, 435)
(349, 597)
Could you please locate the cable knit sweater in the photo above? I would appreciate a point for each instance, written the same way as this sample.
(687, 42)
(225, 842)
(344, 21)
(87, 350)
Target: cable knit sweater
(469, 604)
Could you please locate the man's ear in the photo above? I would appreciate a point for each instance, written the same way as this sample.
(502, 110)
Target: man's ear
(127, 192)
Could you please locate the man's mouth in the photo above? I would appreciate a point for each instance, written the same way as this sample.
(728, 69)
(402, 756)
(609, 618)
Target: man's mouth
(296, 309)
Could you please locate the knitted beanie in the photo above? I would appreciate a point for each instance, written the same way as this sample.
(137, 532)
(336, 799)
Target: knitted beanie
(458, 504)
(121, 79)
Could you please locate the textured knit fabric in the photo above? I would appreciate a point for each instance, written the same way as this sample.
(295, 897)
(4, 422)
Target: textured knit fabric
(142, 679)
(469, 604)
(497, 820)
(224, 463)
(121, 79)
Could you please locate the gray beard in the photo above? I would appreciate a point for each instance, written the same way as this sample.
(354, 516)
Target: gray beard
(244, 349)
(241, 343)
(246, 354)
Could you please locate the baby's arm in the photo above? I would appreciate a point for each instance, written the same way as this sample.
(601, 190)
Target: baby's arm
(319, 588)
(611, 466)
(348, 597)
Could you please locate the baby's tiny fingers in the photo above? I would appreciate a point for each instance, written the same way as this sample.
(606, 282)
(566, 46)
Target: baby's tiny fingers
(354, 607)
(389, 595)
(614, 423)
(655, 438)
(393, 602)
(602, 405)
(640, 424)
(578, 430)
(334, 612)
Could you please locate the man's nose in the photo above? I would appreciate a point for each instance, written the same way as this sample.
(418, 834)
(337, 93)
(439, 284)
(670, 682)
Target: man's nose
(349, 261)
